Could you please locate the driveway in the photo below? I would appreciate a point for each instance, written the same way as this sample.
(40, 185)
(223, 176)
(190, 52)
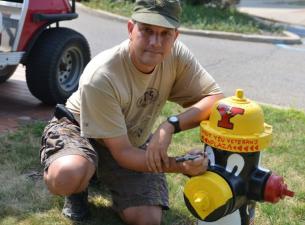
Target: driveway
(18, 105)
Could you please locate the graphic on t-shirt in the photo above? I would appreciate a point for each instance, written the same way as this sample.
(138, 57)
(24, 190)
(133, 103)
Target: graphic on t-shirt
(150, 96)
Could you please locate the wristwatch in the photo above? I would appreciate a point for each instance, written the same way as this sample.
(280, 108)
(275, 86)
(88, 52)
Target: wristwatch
(174, 120)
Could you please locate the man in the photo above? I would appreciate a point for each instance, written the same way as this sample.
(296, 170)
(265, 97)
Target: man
(121, 93)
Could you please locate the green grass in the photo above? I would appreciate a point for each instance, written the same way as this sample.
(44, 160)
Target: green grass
(24, 199)
(198, 17)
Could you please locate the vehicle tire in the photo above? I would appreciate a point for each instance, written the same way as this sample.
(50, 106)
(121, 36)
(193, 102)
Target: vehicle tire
(55, 64)
(7, 72)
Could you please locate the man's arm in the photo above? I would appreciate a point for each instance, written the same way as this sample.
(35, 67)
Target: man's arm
(156, 154)
(198, 112)
(133, 158)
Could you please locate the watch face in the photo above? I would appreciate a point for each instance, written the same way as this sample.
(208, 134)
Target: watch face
(173, 119)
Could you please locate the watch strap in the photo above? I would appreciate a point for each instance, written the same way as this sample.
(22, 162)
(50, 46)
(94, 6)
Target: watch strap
(176, 124)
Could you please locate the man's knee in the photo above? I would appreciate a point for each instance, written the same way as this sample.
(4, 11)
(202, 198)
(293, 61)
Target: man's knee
(142, 215)
(69, 174)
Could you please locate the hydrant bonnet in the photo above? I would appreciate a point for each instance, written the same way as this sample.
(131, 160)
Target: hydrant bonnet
(236, 124)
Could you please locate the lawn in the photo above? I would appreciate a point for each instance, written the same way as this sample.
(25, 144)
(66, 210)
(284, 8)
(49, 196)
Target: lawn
(24, 199)
(199, 17)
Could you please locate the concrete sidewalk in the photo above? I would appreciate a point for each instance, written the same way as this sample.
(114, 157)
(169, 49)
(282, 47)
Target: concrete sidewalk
(290, 12)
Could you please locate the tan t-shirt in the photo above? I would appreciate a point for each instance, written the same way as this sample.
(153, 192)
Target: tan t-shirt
(115, 99)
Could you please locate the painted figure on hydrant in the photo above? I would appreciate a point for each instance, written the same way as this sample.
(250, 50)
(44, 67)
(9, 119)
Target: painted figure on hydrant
(233, 137)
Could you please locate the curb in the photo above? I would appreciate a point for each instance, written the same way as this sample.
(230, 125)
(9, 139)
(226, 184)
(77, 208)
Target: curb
(289, 38)
(286, 26)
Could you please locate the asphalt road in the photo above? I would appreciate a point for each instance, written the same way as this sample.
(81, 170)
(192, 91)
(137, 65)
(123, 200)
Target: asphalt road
(268, 73)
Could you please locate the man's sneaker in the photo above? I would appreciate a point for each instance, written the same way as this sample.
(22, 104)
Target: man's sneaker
(76, 206)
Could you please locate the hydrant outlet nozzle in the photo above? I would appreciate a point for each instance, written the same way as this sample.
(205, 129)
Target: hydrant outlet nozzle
(276, 189)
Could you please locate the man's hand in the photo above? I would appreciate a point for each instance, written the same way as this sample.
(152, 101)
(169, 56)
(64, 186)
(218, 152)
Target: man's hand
(196, 165)
(156, 152)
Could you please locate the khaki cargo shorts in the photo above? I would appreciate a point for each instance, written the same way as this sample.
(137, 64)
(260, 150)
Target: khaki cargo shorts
(128, 188)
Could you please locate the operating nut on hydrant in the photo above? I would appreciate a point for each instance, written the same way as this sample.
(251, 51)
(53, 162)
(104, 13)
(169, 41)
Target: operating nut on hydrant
(202, 200)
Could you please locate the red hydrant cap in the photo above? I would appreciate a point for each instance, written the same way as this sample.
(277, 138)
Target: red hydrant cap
(276, 189)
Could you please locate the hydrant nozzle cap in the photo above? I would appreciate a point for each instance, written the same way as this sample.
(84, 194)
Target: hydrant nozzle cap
(206, 194)
(276, 189)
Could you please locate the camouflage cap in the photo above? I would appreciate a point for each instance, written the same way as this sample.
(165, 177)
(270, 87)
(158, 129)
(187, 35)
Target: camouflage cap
(164, 13)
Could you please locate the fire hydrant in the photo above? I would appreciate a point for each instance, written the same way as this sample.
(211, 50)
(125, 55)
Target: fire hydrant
(233, 138)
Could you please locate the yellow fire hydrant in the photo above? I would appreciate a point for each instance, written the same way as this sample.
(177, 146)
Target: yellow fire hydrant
(233, 137)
